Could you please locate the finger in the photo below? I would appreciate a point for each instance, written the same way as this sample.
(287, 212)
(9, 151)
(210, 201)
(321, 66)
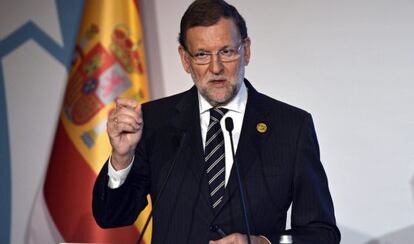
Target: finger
(126, 128)
(123, 123)
(126, 102)
(127, 119)
(138, 109)
(112, 119)
(128, 112)
(116, 118)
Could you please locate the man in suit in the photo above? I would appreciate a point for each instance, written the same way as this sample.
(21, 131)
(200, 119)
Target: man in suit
(176, 150)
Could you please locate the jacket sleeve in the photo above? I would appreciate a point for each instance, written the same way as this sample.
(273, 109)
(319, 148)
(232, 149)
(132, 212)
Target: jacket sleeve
(312, 219)
(121, 206)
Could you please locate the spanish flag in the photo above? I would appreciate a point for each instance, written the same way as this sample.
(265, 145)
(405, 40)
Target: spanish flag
(108, 63)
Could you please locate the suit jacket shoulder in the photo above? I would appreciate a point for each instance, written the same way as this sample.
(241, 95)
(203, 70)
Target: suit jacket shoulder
(160, 111)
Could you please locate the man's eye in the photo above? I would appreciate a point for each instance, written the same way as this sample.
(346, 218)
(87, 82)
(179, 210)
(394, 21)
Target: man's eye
(201, 55)
(227, 52)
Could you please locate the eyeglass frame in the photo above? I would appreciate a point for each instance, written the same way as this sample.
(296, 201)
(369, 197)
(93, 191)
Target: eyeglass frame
(210, 54)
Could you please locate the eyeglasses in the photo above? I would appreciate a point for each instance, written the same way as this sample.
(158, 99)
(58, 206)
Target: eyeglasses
(227, 54)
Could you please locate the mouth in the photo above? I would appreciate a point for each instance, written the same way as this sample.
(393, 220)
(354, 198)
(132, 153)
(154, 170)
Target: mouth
(218, 82)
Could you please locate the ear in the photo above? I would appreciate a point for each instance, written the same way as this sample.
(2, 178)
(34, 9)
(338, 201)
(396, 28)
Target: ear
(246, 48)
(184, 59)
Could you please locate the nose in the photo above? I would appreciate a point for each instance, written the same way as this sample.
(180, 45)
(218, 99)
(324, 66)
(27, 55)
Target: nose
(216, 66)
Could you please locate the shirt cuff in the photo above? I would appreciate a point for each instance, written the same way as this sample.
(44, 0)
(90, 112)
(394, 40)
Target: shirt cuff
(117, 177)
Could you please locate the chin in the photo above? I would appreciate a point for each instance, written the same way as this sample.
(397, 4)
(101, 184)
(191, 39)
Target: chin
(217, 97)
(215, 101)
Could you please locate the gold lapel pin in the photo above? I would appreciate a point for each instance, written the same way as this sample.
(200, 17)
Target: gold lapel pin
(261, 127)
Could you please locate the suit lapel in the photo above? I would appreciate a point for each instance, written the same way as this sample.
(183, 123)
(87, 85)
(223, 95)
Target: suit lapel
(188, 120)
(250, 142)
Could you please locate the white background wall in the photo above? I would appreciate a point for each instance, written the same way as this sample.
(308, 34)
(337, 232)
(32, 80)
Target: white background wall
(349, 63)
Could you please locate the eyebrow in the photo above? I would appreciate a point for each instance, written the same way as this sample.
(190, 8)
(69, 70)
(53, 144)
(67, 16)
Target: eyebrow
(205, 50)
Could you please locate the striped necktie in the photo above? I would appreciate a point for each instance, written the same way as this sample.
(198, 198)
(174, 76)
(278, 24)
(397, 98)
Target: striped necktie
(214, 156)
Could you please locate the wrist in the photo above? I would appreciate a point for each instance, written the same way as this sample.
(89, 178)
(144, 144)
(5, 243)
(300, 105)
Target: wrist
(119, 161)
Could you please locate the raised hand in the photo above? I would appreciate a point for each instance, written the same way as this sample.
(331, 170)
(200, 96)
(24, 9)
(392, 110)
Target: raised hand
(124, 127)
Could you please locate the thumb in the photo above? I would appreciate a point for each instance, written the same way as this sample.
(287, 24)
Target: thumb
(137, 108)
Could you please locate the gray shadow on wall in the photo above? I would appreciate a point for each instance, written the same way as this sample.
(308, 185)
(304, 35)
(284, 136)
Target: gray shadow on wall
(402, 236)
(152, 48)
(352, 236)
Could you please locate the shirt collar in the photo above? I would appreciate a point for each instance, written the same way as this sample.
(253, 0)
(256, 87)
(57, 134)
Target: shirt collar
(237, 104)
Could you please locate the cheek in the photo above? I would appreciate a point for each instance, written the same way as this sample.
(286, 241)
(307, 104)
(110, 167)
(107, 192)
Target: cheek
(200, 74)
(234, 70)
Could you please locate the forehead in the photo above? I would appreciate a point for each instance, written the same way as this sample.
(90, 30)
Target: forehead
(223, 33)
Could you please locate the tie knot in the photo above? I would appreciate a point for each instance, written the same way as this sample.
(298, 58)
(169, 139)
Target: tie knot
(217, 113)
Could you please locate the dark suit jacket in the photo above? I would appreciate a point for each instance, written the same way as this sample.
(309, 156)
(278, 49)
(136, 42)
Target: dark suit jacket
(278, 167)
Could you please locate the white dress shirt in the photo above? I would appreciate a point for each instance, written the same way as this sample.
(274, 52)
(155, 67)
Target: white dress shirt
(236, 107)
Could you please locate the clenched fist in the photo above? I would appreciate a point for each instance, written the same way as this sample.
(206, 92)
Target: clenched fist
(124, 126)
